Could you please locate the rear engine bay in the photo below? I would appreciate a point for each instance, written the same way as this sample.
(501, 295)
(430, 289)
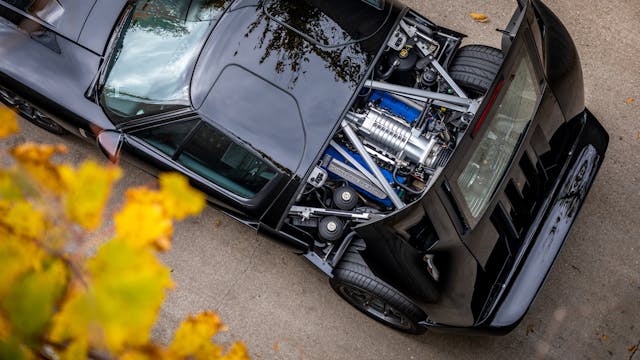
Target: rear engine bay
(393, 142)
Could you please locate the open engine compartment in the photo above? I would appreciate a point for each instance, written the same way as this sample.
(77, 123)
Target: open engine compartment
(393, 142)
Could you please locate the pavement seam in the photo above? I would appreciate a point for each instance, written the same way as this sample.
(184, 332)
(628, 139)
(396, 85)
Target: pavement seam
(635, 350)
(242, 273)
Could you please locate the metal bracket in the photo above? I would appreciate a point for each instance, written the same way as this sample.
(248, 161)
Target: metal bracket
(308, 212)
(432, 60)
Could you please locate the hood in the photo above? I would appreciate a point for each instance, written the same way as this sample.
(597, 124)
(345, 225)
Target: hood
(86, 22)
(275, 48)
(99, 23)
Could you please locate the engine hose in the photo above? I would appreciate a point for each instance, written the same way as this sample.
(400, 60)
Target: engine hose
(387, 74)
(403, 186)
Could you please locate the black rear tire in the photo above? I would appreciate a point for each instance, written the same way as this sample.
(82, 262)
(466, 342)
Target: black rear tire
(354, 282)
(475, 67)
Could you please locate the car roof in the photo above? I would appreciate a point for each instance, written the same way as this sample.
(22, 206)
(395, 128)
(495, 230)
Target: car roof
(308, 87)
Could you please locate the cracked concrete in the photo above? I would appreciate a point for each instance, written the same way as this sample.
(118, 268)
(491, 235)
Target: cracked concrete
(589, 307)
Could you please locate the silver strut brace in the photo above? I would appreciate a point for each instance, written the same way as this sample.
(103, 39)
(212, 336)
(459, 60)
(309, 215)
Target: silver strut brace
(307, 213)
(453, 102)
(353, 138)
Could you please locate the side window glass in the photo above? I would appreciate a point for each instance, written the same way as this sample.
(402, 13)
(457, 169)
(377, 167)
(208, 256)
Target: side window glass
(167, 138)
(217, 158)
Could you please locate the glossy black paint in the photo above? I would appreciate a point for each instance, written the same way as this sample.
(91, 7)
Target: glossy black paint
(489, 273)
(561, 60)
(249, 49)
(54, 81)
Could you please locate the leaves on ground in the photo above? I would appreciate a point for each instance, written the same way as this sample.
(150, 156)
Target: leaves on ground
(630, 101)
(479, 17)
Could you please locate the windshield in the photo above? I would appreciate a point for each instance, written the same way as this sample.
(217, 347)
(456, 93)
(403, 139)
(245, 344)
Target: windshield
(150, 69)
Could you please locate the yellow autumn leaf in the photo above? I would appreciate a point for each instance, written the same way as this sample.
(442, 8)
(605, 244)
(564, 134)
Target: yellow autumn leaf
(5, 327)
(13, 349)
(630, 101)
(8, 122)
(77, 349)
(9, 187)
(118, 308)
(143, 195)
(17, 256)
(55, 291)
(87, 191)
(24, 220)
(142, 225)
(149, 352)
(193, 337)
(238, 351)
(33, 299)
(180, 199)
(36, 153)
(72, 322)
(479, 17)
(35, 159)
(128, 287)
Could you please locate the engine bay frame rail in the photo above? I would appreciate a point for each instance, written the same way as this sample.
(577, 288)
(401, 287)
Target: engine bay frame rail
(453, 102)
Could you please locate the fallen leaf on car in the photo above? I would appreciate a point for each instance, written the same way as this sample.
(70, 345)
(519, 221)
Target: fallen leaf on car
(630, 101)
(479, 17)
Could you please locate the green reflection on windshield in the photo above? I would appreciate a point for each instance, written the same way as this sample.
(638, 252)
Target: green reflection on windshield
(151, 66)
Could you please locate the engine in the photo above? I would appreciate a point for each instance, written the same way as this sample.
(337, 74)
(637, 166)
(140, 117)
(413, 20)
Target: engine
(395, 139)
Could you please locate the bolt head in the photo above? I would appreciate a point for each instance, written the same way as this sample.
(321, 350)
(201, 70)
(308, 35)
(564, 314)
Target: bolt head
(332, 226)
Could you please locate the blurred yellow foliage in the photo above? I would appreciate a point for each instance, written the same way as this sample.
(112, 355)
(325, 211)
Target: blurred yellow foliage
(8, 122)
(63, 291)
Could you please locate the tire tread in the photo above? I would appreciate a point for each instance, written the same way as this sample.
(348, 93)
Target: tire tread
(475, 67)
(353, 270)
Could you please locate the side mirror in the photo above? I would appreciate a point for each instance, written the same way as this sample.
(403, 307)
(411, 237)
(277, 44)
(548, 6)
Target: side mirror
(110, 142)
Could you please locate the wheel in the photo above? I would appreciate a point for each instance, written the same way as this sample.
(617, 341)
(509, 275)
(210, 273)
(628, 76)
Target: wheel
(28, 112)
(355, 283)
(475, 67)
(44, 122)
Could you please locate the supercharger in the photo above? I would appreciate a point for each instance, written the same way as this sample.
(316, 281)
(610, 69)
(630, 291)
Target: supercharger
(391, 134)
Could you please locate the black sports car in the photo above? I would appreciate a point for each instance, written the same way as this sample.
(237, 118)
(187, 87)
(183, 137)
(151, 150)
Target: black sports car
(433, 183)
